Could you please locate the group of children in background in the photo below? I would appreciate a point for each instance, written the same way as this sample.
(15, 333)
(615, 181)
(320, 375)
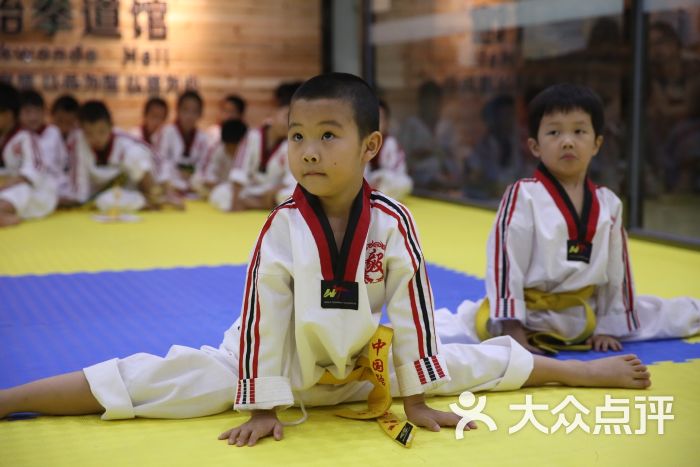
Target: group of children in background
(558, 276)
(81, 157)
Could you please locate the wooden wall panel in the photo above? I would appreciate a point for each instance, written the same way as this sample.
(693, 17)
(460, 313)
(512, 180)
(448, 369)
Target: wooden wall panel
(226, 46)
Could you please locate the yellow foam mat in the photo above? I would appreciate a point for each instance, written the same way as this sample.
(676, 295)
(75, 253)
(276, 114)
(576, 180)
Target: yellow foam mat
(452, 236)
(327, 440)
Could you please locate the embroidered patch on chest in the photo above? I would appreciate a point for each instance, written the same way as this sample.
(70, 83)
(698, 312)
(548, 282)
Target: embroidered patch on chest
(374, 270)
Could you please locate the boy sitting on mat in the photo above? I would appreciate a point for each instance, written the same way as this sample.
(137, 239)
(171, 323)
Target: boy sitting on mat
(110, 166)
(28, 189)
(325, 263)
(559, 274)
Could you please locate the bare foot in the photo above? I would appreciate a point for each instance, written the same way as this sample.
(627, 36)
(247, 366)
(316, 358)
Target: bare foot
(624, 371)
(7, 219)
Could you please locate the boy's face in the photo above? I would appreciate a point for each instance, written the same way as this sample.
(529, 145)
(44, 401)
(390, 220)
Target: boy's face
(228, 111)
(31, 117)
(65, 121)
(97, 134)
(566, 143)
(154, 118)
(188, 113)
(326, 155)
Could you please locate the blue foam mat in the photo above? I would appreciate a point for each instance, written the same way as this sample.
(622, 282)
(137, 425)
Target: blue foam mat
(63, 322)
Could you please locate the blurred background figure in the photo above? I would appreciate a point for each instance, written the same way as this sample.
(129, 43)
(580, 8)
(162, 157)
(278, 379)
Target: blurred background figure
(426, 139)
(387, 171)
(497, 159)
(231, 107)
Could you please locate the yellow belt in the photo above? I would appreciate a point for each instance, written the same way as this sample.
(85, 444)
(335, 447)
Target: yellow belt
(375, 369)
(538, 300)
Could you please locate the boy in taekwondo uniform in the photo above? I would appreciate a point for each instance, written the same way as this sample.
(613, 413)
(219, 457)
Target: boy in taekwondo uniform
(213, 170)
(155, 113)
(309, 331)
(181, 144)
(260, 177)
(27, 188)
(103, 158)
(559, 274)
(52, 147)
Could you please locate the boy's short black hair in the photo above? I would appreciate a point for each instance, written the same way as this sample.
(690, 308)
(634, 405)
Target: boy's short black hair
(66, 103)
(565, 97)
(233, 131)
(237, 101)
(94, 111)
(347, 87)
(285, 92)
(155, 101)
(9, 99)
(191, 94)
(31, 98)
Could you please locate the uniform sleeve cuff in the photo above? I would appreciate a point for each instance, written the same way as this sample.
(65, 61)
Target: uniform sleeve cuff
(508, 308)
(422, 375)
(263, 393)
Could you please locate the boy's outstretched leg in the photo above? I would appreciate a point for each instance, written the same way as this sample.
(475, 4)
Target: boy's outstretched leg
(624, 371)
(67, 394)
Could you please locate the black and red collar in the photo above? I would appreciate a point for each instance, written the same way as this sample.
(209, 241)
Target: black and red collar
(265, 155)
(102, 156)
(187, 137)
(580, 228)
(337, 264)
(145, 134)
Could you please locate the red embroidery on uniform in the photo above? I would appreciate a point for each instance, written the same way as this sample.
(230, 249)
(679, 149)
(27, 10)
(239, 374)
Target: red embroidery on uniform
(374, 272)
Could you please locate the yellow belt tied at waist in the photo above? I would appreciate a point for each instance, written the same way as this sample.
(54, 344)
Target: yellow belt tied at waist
(538, 300)
(379, 399)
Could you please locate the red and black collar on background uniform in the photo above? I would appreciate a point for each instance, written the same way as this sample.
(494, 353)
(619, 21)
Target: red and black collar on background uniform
(264, 153)
(146, 134)
(102, 156)
(187, 138)
(338, 267)
(10, 134)
(581, 229)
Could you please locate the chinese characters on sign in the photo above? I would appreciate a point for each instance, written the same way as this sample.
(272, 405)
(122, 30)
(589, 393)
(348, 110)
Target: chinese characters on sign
(613, 417)
(156, 18)
(50, 16)
(101, 17)
(107, 82)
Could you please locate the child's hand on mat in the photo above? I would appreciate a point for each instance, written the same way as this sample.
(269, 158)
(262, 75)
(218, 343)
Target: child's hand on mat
(515, 329)
(262, 423)
(420, 414)
(603, 343)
